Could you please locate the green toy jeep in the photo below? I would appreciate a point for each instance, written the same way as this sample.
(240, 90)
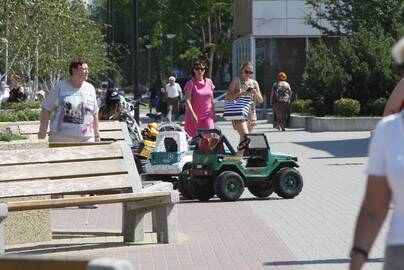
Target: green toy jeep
(217, 169)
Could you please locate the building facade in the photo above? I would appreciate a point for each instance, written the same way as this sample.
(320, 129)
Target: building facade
(274, 36)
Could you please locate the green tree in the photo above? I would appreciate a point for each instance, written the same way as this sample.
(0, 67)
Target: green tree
(44, 35)
(206, 23)
(367, 30)
(366, 57)
(324, 79)
(349, 16)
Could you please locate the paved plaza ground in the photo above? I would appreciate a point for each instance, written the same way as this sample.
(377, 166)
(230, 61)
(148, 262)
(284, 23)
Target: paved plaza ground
(313, 231)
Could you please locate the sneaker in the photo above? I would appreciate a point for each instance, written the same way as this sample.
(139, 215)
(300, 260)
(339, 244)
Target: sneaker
(88, 206)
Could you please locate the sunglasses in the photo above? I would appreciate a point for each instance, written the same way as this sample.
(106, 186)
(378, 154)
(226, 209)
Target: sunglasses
(248, 72)
(199, 69)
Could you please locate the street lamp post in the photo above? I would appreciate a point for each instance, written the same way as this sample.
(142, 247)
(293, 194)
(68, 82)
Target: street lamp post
(5, 41)
(136, 56)
(149, 47)
(171, 37)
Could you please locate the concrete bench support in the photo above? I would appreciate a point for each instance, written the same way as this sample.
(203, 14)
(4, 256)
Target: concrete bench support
(3, 215)
(165, 220)
(132, 224)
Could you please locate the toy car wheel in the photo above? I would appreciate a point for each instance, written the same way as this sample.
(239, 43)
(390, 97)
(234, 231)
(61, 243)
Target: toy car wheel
(202, 189)
(261, 190)
(229, 186)
(184, 182)
(289, 183)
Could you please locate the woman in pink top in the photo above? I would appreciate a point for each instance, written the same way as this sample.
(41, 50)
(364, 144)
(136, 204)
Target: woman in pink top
(200, 106)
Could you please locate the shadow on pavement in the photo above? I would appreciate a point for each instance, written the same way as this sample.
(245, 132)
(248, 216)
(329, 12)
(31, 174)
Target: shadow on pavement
(217, 200)
(73, 241)
(81, 234)
(341, 148)
(323, 261)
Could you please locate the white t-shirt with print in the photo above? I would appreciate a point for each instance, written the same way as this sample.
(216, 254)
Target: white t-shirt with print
(386, 158)
(75, 108)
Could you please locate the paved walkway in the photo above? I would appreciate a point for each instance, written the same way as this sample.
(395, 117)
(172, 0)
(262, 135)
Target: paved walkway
(312, 231)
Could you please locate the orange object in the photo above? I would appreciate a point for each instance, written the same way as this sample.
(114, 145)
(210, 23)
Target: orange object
(213, 142)
(203, 144)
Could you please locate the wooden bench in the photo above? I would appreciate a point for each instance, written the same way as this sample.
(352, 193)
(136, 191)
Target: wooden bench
(40, 263)
(108, 171)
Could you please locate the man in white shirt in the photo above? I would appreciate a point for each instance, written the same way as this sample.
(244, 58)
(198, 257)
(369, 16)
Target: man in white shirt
(174, 95)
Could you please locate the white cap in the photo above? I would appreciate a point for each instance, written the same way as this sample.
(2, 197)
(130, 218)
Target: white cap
(398, 52)
(171, 78)
(41, 92)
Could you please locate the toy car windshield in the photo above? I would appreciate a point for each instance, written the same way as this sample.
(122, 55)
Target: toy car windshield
(257, 141)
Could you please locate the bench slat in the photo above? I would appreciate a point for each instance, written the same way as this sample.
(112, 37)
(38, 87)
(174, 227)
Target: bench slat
(65, 185)
(58, 170)
(155, 197)
(117, 135)
(10, 157)
(104, 126)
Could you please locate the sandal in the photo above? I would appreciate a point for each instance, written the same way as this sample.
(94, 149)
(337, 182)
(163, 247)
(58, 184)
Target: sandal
(243, 144)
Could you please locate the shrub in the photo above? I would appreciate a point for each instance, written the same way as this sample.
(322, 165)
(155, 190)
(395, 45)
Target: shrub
(303, 106)
(376, 107)
(27, 115)
(347, 107)
(21, 105)
(6, 137)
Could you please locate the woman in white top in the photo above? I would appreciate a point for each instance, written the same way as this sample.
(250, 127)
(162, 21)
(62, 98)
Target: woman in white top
(385, 184)
(74, 104)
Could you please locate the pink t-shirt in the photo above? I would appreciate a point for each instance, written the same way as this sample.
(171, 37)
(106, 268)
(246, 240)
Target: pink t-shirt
(201, 104)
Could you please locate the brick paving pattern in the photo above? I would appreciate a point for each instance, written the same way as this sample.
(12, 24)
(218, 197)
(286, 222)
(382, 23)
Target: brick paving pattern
(311, 231)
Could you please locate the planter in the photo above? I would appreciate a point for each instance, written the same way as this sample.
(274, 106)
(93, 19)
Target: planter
(313, 123)
(341, 124)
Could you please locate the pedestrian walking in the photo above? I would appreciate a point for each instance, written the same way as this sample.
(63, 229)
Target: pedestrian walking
(17, 92)
(200, 105)
(385, 170)
(174, 96)
(244, 85)
(280, 98)
(75, 106)
(154, 95)
(395, 103)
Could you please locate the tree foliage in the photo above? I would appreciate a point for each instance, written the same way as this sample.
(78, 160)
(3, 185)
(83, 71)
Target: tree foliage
(44, 35)
(202, 29)
(346, 17)
(324, 79)
(360, 65)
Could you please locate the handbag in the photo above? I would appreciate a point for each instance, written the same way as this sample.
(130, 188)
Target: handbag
(237, 109)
